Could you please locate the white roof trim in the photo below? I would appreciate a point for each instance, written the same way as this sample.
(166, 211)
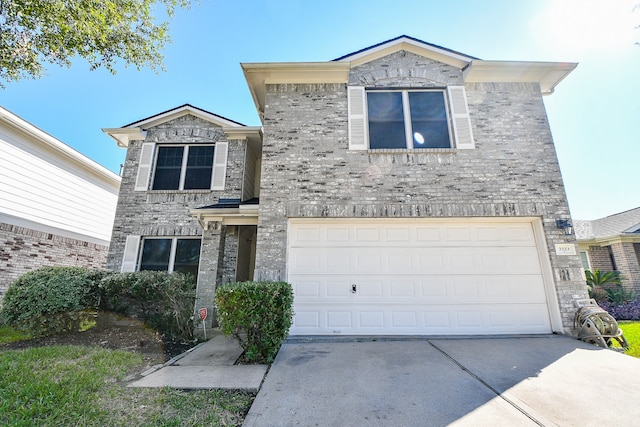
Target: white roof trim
(259, 75)
(547, 74)
(183, 111)
(124, 135)
(39, 136)
(409, 45)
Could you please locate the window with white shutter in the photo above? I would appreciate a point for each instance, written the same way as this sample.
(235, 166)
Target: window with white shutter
(409, 119)
(220, 165)
(184, 167)
(144, 166)
(130, 256)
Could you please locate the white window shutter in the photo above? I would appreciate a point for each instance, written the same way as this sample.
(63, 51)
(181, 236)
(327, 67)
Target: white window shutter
(130, 257)
(219, 165)
(357, 118)
(144, 167)
(460, 118)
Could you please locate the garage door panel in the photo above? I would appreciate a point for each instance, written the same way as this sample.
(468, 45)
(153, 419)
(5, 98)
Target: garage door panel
(414, 320)
(459, 261)
(385, 234)
(416, 277)
(430, 289)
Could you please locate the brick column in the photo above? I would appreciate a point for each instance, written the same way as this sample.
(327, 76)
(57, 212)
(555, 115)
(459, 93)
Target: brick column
(211, 253)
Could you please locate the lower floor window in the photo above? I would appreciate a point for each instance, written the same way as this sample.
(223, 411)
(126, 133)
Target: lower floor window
(171, 254)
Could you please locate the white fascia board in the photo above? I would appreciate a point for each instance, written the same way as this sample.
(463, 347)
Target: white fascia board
(51, 143)
(229, 216)
(413, 46)
(246, 132)
(183, 111)
(547, 74)
(607, 241)
(123, 136)
(258, 75)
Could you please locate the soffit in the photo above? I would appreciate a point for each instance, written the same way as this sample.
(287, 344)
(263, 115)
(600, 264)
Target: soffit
(547, 74)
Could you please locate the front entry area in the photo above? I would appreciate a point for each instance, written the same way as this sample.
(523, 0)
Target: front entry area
(419, 277)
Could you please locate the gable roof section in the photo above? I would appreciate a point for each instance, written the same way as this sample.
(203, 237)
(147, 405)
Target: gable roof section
(136, 131)
(409, 44)
(623, 224)
(474, 70)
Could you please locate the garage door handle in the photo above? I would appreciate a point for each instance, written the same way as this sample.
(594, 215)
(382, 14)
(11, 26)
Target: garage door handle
(353, 289)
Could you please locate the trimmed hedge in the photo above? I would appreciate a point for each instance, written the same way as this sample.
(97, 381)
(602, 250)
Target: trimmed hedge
(51, 300)
(163, 300)
(258, 314)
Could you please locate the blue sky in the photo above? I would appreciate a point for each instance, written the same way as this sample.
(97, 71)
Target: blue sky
(594, 113)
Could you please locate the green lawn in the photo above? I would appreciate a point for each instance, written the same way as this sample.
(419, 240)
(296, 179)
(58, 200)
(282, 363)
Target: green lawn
(9, 335)
(631, 332)
(77, 385)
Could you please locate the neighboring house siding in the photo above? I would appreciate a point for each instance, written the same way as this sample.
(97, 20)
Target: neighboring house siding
(56, 206)
(627, 264)
(23, 249)
(39, 185)
(600, 258)
(307, 170)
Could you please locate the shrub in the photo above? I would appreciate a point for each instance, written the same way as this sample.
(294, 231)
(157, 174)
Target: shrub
(625, 311)
(51, 300)
(607, 286)
(163, 300)
(258, 314)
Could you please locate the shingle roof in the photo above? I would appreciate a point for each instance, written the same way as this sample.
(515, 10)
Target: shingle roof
(612, 225)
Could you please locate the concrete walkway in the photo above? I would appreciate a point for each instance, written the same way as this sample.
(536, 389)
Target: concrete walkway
(207, 366)
(519, 381)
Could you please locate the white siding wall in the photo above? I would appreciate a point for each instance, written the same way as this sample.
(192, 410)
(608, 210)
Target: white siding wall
(46, 189)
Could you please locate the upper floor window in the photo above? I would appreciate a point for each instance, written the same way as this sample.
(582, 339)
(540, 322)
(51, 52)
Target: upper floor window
(409, 118)
(186, 167)
(182, 167)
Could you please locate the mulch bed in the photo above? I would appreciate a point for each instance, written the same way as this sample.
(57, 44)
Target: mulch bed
(116, 333)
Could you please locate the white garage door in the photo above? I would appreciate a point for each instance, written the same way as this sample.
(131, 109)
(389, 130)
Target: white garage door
(416, 277)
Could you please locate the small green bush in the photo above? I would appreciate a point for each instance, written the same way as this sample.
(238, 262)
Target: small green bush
(258, 314)
(51, 300)
(164, 301)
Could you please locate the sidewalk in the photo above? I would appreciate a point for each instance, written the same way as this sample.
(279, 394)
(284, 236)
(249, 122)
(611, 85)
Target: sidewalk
(209, 365)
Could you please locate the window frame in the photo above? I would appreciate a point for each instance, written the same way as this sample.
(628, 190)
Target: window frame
(407, 119)
(183, 166)
(458, 110)
(172, 250)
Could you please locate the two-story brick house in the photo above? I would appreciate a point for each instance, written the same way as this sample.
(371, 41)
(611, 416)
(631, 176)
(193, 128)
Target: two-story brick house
(402, 189)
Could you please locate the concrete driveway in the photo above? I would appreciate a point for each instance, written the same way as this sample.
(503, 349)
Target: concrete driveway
(516, 381)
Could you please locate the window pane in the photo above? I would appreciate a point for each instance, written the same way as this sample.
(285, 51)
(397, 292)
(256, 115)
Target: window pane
(187, 256)
(429, 120)
(199, 167)
(167, 176)
(155, 254)
(386, 120)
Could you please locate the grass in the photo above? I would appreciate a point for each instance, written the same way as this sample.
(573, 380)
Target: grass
(631, 332)
(9, 335)
(82, 386)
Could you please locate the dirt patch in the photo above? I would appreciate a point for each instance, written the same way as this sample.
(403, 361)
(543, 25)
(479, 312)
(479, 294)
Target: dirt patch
(116, 333)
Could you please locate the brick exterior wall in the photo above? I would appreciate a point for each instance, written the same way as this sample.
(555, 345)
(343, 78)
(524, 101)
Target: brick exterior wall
(166, 213)
(599, 258)
(24, 249)
(308, 171)
(627, 263)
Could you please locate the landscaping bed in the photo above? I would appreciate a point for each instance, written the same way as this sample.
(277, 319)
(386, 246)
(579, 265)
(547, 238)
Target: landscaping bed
(115, 332)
